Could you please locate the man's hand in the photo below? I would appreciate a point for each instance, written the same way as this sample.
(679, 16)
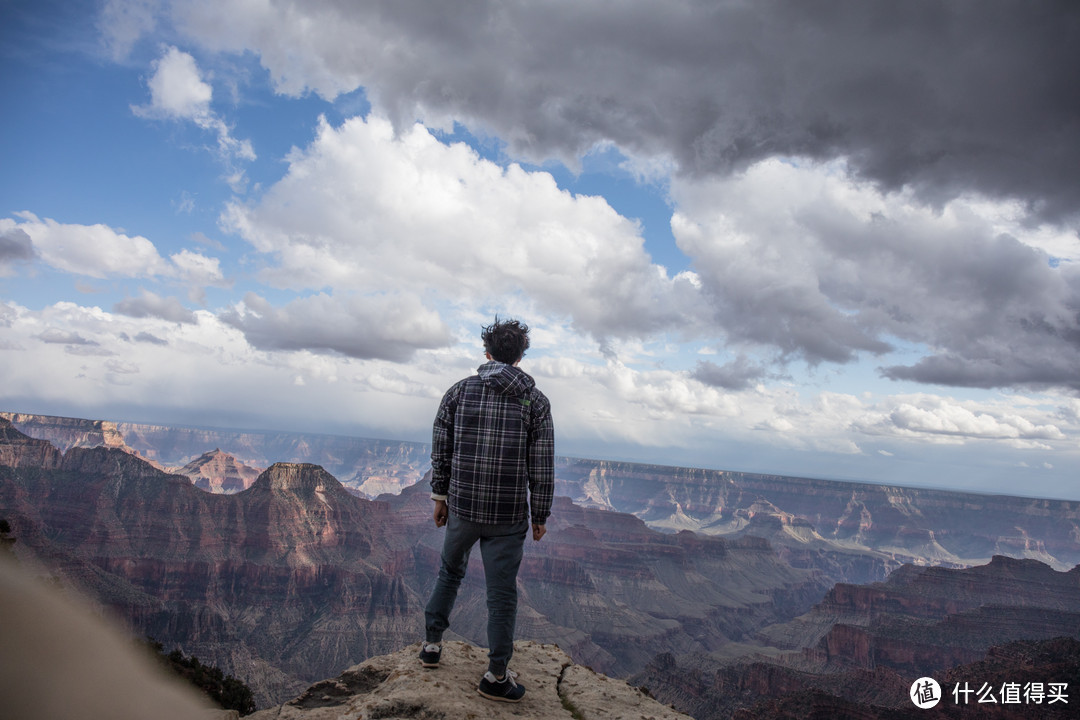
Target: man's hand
(538, 531)
(441, 513)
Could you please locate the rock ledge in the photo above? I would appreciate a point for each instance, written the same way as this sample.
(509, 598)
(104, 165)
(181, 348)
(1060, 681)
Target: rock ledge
(396, 686)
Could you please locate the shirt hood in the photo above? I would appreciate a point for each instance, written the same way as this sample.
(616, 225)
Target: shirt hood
(506, 379)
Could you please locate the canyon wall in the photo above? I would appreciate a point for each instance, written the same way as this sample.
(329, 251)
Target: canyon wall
(295, 578)
(786, 587)
(863, 646)
(855, 532)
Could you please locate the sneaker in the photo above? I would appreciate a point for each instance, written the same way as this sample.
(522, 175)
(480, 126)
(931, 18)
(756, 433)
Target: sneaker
(505, 690)
(430, 654)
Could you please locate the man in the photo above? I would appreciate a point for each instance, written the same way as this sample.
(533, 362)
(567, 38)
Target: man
(492, 464)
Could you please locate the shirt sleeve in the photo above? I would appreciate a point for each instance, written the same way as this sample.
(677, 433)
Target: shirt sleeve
(442, 444)
(541, 464)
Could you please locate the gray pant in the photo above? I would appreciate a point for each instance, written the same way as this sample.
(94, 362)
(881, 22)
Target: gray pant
(501, 548)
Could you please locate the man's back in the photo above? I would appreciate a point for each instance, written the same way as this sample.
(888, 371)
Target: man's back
(493, 442)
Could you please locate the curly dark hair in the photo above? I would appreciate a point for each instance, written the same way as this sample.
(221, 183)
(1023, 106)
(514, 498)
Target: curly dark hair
(506, 340)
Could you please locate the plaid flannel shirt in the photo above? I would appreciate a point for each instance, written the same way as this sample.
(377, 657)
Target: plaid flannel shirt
(493, 448)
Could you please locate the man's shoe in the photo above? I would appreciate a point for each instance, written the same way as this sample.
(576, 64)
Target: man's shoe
(430, 654)
(505, 690)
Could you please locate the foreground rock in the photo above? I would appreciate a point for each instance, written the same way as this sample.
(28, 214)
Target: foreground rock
(396, 686)
(60, 660)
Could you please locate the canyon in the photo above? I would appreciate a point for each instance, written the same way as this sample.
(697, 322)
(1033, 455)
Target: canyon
(855, 532)
(246, 549)
(866, 644)
(295, 578)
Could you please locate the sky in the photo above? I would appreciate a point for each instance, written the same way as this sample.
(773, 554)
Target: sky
(816, 238)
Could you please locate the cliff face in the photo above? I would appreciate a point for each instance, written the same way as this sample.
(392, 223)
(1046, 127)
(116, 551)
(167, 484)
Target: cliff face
(613, 593)
(371, 467)
(825, 522)
(849, 532)
(18, 450)
(923, 620)
(66, 433)
(865, 645)
(296, 578)
(288, 581)
(62, 661)
(1020, 663)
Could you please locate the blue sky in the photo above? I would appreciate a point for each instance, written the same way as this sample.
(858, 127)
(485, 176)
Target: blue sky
(825, 240)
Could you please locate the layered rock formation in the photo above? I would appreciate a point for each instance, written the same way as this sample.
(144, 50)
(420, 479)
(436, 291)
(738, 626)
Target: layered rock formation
(219, 472)
(295, 578)
(66, 433)
(396, 686)
(852, 532)
(18, 450)
(613, 593)
(980, 689)
(286, 582)
(867, 644)
(371, 467)
(855, 527)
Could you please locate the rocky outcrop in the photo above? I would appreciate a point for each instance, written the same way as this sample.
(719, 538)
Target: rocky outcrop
(219, 472)
(66, 433)
(371, 467)
(71, 663)
(924, 620)
(18, 450)
(396, 686)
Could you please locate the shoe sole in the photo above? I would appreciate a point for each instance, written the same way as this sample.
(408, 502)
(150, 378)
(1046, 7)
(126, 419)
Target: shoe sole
(499, 698)
(429, 664)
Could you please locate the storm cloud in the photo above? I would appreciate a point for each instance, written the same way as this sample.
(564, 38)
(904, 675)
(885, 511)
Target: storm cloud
(948, 98)
(382, 327)
(149, 304)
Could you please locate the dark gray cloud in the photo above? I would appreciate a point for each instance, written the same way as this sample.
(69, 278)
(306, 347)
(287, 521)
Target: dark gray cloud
(737, 374)
(150, 304)
(812, 273)
(945, 96)
(150, 338)
(15, 244)
(56, 336)
(1039, 353)
(381, 327)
